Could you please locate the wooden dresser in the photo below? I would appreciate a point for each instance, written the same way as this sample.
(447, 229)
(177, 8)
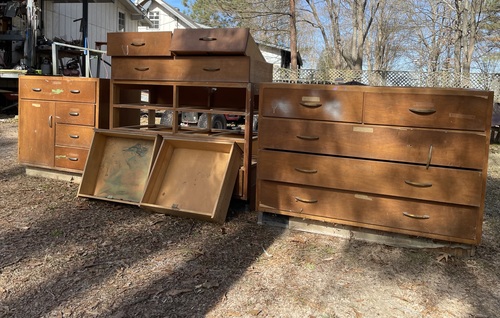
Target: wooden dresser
(404, 160)
(57, 117)
(213, 72)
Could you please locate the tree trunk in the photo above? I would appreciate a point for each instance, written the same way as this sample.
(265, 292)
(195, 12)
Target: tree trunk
(293, 36)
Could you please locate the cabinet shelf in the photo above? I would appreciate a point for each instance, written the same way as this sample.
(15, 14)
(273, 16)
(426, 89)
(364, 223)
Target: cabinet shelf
(231, 111)
(144, 106)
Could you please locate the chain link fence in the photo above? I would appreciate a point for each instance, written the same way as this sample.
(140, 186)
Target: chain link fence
(481, 81)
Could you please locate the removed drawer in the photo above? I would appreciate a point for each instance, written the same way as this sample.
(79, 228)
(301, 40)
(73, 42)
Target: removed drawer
(139, 44)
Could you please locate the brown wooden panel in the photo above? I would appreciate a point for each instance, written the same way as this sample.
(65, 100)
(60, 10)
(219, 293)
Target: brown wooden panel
(74, 135)
(193, 178)
(70, 158)
(309, 103)
(139, 44)
(412, 145)
(220, 41)
(58, 88)
(446, 185)
(426, 219)
(75, 113)
(439, 110)
(36, 132)
(193, 69)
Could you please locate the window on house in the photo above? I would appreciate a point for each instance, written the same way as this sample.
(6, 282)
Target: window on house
(121, 22)
(155, 19)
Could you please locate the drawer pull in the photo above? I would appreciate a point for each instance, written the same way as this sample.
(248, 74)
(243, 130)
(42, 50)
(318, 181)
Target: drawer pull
(429, 157)
(138, 43)
(311, 105)
(72, 159)
(306, 170)
(305, 200)
(38, 90)
(208, 38)
(75, 91)
(141, 69)
(50, 121)
(423, 111)
(74, 113)
(307, 137)
(414, 216)
(418, 184)
(214, 69)
(74, 136)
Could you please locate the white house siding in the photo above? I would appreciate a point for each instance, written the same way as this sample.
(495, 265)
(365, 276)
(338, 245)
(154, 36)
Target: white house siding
(103, 18)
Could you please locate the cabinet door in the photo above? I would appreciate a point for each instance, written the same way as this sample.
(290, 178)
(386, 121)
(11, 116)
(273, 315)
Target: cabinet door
(36, 132)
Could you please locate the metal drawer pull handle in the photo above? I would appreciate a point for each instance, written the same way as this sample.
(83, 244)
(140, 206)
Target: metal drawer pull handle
(72, 159)
(74, 113)
(310, 105)
(74, 136)
(208, 38)
(423, 111)
(38, 90)
(214, 69)
(308, 137)
(414, 216)
(75, 91)
(418, 184)
(141, 69)
(306, 170)
(429, 158)
(305, 200)
(50, 121)
(137, 43)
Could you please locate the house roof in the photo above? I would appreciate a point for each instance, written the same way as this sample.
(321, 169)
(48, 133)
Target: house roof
(173, 11)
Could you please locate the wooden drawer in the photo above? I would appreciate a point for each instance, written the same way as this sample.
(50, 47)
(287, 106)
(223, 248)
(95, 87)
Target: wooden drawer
(320, 104)
(75, 113)
(453, 111)
(441, 221)
(403, 180)
(74, 135)
(70, 158)
(139, 44)
(221, 41)
(217, 69)
(421, 146)
(58, 88)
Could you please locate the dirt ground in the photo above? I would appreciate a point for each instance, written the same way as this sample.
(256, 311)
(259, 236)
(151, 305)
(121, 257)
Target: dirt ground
(63, 256)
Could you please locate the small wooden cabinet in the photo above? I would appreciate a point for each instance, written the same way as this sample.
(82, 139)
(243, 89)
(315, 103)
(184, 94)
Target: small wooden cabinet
(404, 160)
(57, 117)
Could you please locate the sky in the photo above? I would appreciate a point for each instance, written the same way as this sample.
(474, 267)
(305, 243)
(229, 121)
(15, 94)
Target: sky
(176, 4)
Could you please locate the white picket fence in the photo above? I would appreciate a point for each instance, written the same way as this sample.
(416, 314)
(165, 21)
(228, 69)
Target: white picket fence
(482, 81)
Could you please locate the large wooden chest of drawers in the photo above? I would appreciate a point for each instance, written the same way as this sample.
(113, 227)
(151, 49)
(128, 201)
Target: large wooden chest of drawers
(57, 117)
(404, 160)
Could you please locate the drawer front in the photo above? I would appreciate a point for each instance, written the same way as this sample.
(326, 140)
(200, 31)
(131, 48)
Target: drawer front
(402, 180)
(221, 41)
(139, 44)
(320, 104)
(468, 112)
(228, 69)
(58, 89)
(75, 113)
(70, 158)
(420, 146)
(449, 222)
(74, 135)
